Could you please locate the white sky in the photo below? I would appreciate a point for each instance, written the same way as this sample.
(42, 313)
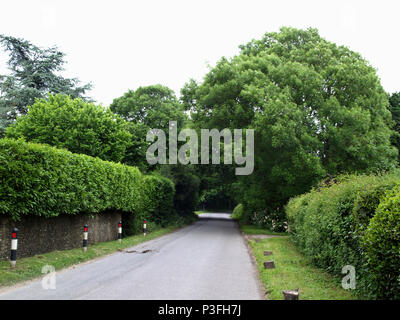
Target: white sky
(120, 45)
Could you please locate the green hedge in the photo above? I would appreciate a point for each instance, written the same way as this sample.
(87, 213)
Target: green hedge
(237, 212)
(382, 245)
(332, 222)
(39, 180)
(157, 194)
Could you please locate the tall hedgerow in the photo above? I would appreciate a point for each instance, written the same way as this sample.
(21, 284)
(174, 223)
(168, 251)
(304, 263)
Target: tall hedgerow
(340, 224)
(40, 180)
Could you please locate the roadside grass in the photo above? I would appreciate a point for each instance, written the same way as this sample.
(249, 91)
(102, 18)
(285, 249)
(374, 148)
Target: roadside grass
(292, 271)
(212, 211)
(200, 212)
(31, 267)
(250, 229)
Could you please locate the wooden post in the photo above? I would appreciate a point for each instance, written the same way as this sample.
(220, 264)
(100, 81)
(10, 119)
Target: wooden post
(269, 265)
(267, 253)
(291, 294)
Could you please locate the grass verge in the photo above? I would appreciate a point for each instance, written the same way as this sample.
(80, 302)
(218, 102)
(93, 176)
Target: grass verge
(250, 229)
(31, 267)
(212, 211)
(200, 212)
(292, 271)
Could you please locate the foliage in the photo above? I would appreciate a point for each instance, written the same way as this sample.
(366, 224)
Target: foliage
(316, 108)
(154, 106)
(158, 193)
(34, 73)
(186, 187)
(135, 154)
(217, 198)
(271, 220)
(39, 180)
(156, 206)
(329, 225)
(394, 108)
(79, 126)
(151, 107)
(382, 246)
(237, 212)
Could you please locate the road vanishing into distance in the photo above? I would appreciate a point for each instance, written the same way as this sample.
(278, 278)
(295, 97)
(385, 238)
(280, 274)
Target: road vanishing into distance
(206, 260)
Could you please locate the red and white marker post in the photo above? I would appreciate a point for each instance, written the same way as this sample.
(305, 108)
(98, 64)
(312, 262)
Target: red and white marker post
(14, 246)
(144, 227)
(120, 231)
(85, 237)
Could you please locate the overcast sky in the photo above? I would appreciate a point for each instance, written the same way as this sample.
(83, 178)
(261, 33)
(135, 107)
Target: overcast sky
(119, 45)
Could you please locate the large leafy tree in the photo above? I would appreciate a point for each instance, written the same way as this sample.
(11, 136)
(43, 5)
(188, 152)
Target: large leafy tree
(154, 106)
(34, 72)
(150, 107)
(76, 125)
(317, 109)
(135, 154)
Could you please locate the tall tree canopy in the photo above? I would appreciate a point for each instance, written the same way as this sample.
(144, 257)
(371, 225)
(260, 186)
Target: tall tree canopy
(76, 125)
(154, 106)
(33, 74)
(150, 107)
(317, 109)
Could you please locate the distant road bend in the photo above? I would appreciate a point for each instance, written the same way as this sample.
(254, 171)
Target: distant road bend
(207, 260)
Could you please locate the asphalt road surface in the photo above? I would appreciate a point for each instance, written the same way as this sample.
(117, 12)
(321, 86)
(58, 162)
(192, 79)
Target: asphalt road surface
(207, 260)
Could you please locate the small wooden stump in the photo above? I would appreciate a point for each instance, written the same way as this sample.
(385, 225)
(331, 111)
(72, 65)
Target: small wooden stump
(267, 253)
(269, 265)
(291, 294)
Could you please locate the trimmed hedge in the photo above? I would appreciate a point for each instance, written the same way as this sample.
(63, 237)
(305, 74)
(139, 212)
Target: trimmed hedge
(332, 225)
(382, 245)
(157, 206)
(40, 180)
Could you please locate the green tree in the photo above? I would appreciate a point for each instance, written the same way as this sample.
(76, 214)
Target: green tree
(33, 74)
(135, 154)
(394, 107)
(150, 107)
(73, 124)
(154, 106)
(316, 108)
(187, 185)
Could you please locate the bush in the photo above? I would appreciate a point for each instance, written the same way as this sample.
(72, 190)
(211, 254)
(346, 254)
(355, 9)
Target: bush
(40, 180)
(268, 219)
(158, 193)
(329, 224)
(76, 125)
(237, 212)
(382, 246)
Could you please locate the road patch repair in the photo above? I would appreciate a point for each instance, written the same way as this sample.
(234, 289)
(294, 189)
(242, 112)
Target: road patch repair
(135, 251)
